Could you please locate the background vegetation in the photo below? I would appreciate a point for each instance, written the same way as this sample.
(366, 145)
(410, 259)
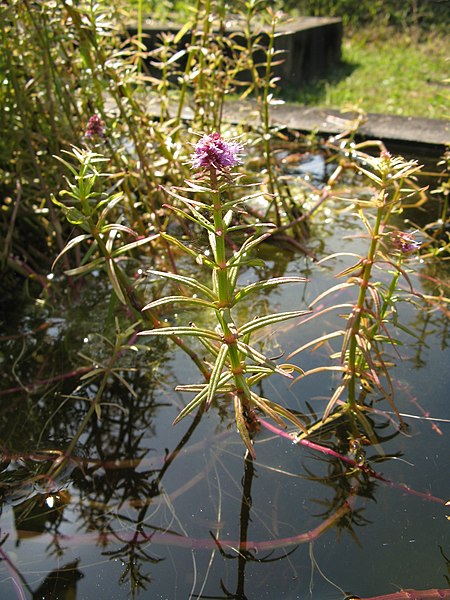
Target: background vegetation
(395, 54)
(401, 14)
(386, 71)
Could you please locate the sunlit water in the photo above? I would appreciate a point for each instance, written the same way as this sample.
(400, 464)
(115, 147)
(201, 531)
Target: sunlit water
(162, 510)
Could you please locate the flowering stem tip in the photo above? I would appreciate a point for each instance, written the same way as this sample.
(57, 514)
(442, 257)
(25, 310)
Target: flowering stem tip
(212, 151)
(95, 127)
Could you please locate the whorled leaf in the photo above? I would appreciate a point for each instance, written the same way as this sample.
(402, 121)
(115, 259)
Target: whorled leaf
(176, 331)
(202, 395)
(187, 281)
(265, 284)
(179, 300)
(259, 358)
(265, 321)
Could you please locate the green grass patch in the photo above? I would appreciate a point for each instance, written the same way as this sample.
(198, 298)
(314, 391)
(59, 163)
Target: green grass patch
(386, 72)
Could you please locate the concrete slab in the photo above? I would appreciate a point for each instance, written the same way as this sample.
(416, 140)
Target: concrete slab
(404, 135)
(409, 131)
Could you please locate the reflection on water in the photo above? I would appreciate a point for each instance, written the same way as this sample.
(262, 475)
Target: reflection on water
(178, 512)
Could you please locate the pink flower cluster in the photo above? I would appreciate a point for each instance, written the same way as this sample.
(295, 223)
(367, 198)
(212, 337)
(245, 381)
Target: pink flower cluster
(95, 127)
(213, 151)
(405, 242)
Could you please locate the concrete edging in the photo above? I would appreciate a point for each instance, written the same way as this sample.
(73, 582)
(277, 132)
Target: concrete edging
(434, 134)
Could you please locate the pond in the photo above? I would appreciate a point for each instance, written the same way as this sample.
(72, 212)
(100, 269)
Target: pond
(146, 509)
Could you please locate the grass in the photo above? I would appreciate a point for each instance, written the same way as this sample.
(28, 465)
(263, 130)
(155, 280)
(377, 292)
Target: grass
(386, 71)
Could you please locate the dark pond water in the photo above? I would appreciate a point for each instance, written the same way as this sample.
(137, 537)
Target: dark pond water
(177, 512)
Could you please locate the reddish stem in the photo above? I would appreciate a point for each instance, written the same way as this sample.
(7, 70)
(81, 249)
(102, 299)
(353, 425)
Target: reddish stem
(351, 462)
(42, 382)
(409, 595)
(181, 541)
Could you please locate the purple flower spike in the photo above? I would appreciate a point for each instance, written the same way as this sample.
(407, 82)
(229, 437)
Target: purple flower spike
(213, 151)
(95, 127)
(405, 242)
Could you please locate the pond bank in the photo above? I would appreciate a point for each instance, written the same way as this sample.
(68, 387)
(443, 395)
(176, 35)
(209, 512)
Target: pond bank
(414, 135)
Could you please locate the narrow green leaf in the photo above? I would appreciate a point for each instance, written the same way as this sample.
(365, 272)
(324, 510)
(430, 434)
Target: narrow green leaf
(67, 164)
(110, 202)
(176, 56)
(188, 25)
(131, 245)
(191, 405)
(199, 258)
(247, 226)
(331, 290)
(193, 331)
(286, 413)
(111, 269)
(317, 342)
(98, 262)
(196, 187)
(200, 397)
(242, 426)
(188, 281)
(260, 322)
(216, 374)
(76, 240)
(370, 175)
(179, 300)
(268, 283)
(73, 215)
(349, 270)
(260, 358)
(118, 227)
(262, 404)
(246, 247)
(198, 218)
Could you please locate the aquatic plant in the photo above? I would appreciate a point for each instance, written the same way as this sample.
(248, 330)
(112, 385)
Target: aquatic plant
(369, 331)
(237, 366)
(165, 243)
(93, 212)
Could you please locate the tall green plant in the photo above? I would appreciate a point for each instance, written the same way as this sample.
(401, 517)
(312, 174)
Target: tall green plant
(237, 365)
(86, 206)
(369, 329)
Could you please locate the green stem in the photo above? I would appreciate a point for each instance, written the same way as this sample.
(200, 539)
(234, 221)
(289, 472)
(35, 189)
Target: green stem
(139, 32)
(385, 207)
(223, 287)
(359, 308)
(190, 58)
(224, 316)
(266, 112)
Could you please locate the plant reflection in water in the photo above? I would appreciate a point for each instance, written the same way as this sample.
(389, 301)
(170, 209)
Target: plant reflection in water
(116, 503)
